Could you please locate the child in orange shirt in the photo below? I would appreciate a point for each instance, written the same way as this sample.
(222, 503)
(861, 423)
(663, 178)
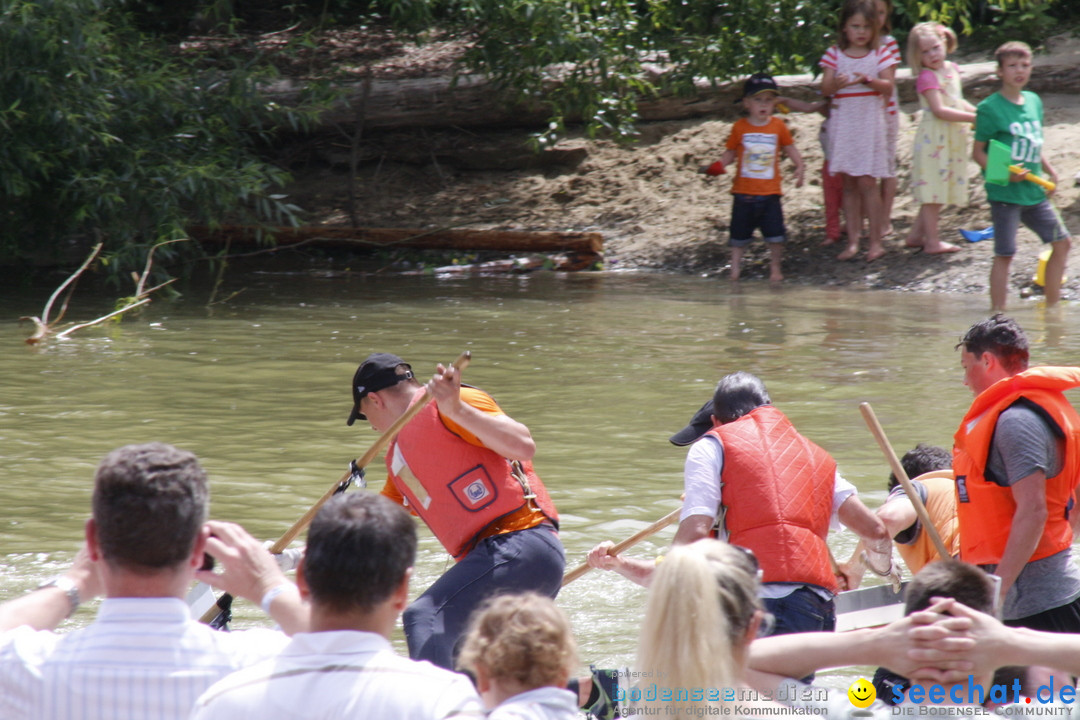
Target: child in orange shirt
(756, 143)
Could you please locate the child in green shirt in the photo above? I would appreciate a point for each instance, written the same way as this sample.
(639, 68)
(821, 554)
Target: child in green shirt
(1014, 116)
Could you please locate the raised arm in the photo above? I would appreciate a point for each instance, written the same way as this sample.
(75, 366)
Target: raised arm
(248, 570)
(500, 433)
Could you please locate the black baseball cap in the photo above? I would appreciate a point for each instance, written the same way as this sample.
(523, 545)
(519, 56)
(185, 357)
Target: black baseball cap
(700, 424)
(376, 373)
(759, 83)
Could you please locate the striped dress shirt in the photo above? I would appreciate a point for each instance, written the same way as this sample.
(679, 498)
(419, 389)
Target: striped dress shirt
(141, 659)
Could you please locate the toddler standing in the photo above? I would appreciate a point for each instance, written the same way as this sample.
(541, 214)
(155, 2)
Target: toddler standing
(757, 142)
(939, 154)
(859, 77)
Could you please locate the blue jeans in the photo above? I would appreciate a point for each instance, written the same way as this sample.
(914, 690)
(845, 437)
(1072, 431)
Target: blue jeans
(801, 611)
(517, 562)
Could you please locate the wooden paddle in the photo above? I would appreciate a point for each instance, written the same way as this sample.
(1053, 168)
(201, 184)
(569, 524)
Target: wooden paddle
(627, 543)
(898, 470)
(380, 445)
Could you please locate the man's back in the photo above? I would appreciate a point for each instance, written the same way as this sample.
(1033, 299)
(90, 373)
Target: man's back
(141, 658)
(336, 674)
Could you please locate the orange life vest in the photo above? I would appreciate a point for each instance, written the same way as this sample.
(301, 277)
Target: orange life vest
(457, 488)
(777, 493)
(984, 508)
(941, 507)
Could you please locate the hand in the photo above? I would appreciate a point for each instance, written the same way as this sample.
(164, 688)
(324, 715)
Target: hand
(928, 645)
(248, 570)
(84, 573)
(799, 177)
(1018, 176)
(445, 388)
(601, 559)
(848, 578)
(717, 168)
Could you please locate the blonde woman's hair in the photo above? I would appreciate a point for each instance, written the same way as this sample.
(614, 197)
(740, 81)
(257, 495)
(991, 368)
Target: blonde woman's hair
(701, 604)
(523, 638)
(924, 30)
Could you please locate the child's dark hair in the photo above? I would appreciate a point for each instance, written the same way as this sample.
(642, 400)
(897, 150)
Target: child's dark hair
(1001, 336)
(868, 10)
(886, 28)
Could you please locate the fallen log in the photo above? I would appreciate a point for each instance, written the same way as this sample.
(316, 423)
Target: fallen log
(474, 101)
(466, 239)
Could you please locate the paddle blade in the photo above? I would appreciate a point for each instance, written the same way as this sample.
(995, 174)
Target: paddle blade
(998, 159)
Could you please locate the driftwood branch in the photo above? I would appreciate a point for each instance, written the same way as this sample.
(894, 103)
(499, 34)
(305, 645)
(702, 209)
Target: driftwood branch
(43, 328)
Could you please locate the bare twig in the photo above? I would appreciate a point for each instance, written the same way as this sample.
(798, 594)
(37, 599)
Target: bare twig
(43, 328)
(69, 281)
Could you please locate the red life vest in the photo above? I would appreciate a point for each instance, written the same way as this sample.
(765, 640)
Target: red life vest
(777, 493)
(457, 488)
(984, 508)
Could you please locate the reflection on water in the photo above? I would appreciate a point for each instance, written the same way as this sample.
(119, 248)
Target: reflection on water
(603, 368)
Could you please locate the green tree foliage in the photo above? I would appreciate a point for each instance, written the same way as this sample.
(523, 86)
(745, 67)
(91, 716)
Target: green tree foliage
(602, 51)
(106, 134)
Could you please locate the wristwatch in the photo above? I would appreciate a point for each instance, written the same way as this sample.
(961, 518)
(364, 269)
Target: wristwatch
(68, 586)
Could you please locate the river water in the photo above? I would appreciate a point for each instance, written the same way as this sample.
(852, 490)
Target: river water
(601, 367)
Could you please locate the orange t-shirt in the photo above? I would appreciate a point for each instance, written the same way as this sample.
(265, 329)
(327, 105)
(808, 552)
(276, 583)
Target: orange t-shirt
(528, 516)
(758, 149)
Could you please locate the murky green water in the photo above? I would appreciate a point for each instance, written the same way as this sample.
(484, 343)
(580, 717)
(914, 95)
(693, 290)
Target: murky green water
(603, 368)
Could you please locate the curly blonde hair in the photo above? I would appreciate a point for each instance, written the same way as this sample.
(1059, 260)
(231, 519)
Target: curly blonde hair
(522, 638)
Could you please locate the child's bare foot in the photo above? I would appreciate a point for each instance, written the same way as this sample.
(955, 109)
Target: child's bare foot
(913, 242)
(776, 278)
(849, 252)
(874, 253)
(830, 241)
(940, 249)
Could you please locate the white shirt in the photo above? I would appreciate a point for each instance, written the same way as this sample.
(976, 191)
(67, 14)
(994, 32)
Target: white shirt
(141, 658)
(701, 483)
(340, 674)
(546, 703)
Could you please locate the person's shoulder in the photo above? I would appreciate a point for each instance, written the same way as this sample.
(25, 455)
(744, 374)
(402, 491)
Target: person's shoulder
(33, 645)
(479, 399)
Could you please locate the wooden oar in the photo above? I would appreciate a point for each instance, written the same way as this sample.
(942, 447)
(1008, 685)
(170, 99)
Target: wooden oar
(898, 470)
(283, 542)
(627, 543)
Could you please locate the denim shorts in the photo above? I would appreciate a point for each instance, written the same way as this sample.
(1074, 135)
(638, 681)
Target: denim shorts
(753, 212)
(1042, 219)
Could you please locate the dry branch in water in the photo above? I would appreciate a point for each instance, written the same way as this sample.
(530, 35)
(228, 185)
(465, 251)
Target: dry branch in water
(43, 328)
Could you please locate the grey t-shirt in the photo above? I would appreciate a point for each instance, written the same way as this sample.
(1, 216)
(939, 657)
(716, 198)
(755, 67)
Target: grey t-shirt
(1024, 443)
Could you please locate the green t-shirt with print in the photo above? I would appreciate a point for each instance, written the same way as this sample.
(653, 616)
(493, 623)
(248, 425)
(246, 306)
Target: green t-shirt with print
(1020, 127)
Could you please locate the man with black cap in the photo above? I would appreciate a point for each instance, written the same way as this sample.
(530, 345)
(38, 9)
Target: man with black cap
(780, 493)
(465, 467)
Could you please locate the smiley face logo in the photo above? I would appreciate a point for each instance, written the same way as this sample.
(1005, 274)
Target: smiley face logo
(861, 693)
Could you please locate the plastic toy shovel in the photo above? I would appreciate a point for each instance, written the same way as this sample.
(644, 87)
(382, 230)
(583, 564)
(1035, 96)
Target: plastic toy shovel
(999, 165)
